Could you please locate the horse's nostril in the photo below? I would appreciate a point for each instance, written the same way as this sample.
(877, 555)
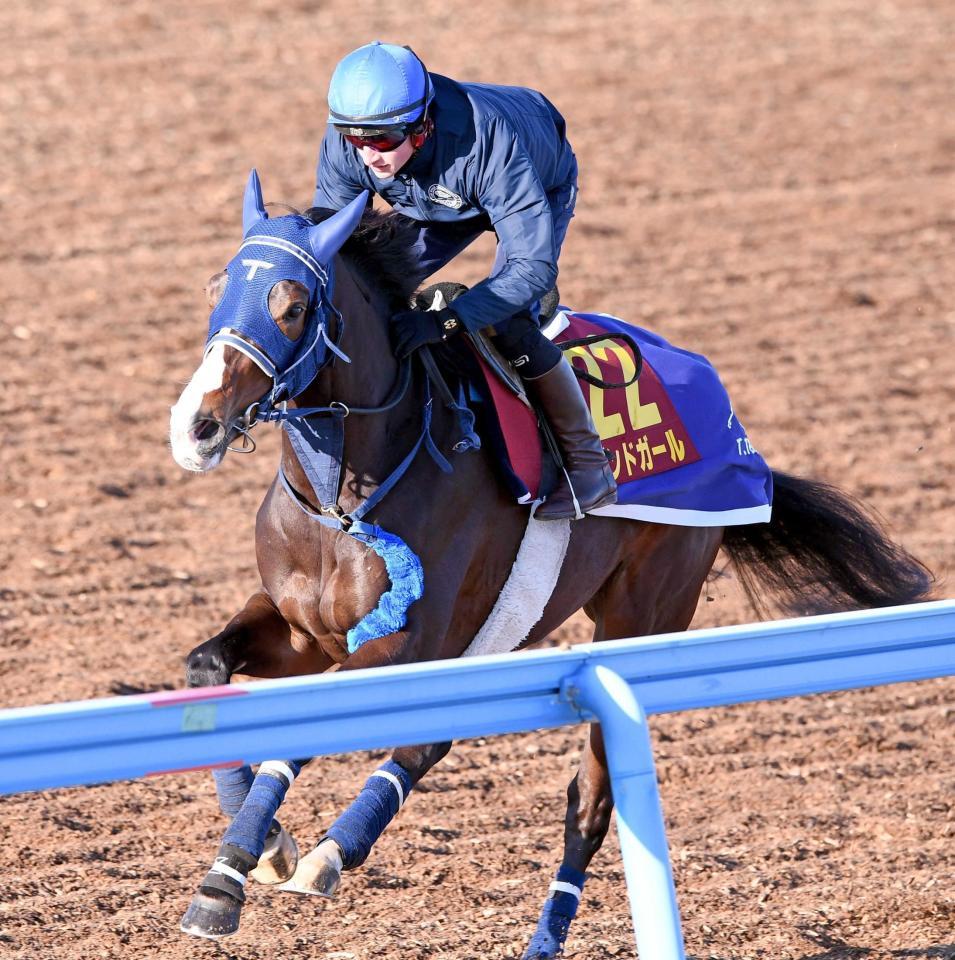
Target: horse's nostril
(203, 430)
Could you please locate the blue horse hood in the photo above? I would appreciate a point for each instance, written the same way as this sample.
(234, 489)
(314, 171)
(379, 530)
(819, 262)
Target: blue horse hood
(272, 251)
(286, 248)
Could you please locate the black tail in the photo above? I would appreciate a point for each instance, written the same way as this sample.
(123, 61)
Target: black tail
(821, 552)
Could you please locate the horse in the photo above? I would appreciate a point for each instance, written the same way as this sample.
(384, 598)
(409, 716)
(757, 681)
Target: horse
(299, 334)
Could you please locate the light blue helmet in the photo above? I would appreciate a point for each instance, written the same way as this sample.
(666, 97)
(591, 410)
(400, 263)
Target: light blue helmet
(377, 86)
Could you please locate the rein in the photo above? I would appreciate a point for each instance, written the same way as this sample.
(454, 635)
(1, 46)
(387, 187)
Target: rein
(566, 345)
(241, 320)
(336, 408)
(319, 448)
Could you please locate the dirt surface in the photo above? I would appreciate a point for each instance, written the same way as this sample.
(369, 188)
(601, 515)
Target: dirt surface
(771, 184)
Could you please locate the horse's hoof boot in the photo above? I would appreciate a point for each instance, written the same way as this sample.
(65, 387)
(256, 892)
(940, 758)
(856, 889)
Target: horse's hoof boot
(211, 914)
(319, 873)
(279, 859)
(543, 951)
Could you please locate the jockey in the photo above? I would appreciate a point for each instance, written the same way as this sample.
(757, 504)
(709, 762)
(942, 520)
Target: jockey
(460, 159)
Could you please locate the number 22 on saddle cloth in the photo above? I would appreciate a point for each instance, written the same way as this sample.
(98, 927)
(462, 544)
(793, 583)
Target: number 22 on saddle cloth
(678, 452)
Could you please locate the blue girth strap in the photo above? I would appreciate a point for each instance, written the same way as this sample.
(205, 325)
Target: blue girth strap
(469, 439)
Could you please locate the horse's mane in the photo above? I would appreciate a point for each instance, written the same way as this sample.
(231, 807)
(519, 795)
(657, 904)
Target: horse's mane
(380, 248)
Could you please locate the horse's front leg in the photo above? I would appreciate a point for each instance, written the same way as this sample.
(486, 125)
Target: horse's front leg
(256, 641)
(349, 840)
(257, 636)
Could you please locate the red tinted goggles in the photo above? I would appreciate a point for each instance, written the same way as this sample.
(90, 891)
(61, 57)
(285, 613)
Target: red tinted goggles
(383, 141)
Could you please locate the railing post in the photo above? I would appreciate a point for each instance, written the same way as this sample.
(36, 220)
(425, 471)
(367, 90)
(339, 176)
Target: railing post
(640, 826)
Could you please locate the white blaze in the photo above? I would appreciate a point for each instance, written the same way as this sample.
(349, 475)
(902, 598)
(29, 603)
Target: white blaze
(205, 380)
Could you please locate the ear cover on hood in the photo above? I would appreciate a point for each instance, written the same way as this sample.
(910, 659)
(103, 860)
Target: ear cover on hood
(326, 238)
(253, 207)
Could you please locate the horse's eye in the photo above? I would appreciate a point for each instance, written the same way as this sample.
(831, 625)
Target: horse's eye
(295, 311)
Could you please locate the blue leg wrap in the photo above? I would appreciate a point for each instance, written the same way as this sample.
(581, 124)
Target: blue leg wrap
(357, 829)
(232, 786)
(559, 909)
(251, 824)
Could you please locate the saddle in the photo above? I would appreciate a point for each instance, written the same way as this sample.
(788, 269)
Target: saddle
(523, 448)
(679, 453)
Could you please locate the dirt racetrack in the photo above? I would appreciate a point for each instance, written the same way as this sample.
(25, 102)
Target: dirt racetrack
(772, 184)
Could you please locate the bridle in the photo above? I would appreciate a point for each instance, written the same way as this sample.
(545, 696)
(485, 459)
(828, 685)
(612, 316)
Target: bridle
(273, 406)
(316, 433)
(304, 251)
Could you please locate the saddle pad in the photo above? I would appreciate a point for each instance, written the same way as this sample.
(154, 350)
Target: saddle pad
(680, 455)
(520, 442)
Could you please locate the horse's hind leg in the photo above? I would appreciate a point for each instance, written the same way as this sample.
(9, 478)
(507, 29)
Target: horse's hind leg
(659, 595)
(349, 840)
(589, 805)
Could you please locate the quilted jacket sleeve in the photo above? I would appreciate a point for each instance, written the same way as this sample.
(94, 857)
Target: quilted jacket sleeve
(508, 189)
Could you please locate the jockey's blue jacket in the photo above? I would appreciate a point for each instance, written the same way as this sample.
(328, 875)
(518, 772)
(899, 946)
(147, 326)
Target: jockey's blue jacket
(498, 159)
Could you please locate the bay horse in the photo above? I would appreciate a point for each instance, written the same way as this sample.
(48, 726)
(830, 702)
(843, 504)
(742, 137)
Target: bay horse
(300, 323)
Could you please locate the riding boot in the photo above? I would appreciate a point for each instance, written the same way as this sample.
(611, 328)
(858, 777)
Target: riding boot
(587, 480)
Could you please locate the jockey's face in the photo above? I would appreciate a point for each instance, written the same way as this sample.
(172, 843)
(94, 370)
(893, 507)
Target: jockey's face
(384, 165)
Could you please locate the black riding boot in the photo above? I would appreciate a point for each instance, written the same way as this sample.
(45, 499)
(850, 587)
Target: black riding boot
(588, 481)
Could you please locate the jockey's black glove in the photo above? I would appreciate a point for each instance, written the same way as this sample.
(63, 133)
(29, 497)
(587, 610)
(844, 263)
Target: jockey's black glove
(411, 329)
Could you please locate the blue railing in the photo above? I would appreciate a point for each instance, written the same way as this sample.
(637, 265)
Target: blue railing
(617, 683)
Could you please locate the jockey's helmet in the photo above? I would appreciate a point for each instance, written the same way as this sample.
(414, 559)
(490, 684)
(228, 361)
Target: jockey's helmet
(378, 87)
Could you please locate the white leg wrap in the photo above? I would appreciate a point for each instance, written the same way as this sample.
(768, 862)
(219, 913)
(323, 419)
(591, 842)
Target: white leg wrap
(395, 782)
(275, 768)
(559, 886)
(227, 871)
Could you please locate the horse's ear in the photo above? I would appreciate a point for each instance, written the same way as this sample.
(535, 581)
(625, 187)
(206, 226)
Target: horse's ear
(253, 208)
(326, 238)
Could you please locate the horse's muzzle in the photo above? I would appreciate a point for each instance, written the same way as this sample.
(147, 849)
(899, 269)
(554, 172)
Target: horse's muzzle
(208, 436)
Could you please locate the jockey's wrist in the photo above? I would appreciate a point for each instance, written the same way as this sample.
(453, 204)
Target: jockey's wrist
(448, 322)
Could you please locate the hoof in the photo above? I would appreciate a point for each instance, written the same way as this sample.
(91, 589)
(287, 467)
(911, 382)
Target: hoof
(278, 860)
(211, 914)
(542, 953)
(318, 873)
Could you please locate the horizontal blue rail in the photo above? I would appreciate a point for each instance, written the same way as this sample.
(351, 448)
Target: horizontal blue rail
(117, 738)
